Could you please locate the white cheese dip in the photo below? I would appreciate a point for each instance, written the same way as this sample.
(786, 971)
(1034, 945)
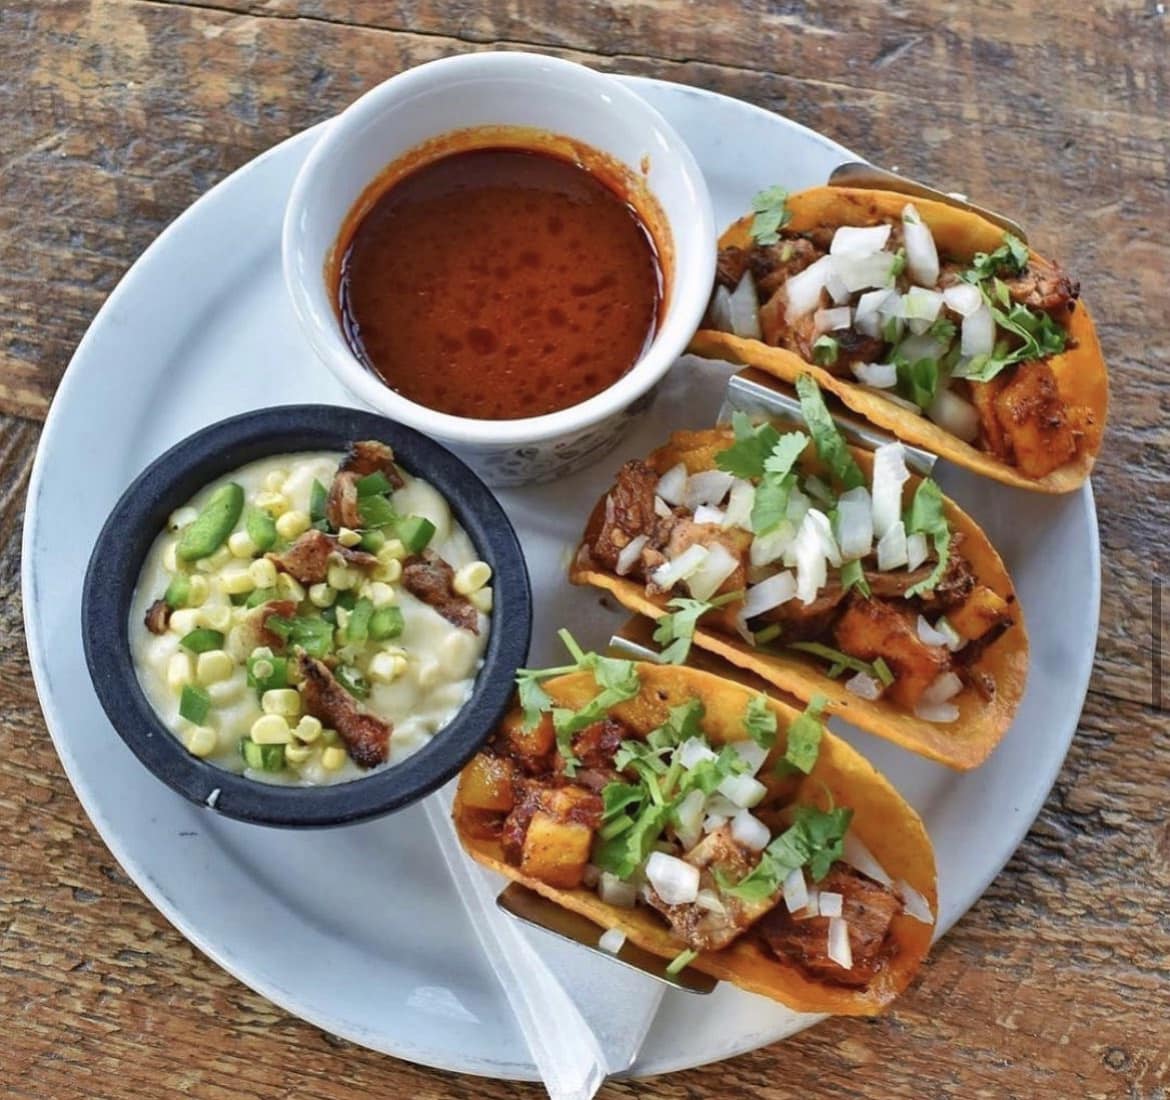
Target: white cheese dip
(414, 669)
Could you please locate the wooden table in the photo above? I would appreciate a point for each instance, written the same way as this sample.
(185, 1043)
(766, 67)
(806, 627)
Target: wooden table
(116, 114)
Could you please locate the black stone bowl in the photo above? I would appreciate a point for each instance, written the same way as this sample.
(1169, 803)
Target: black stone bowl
(172, 480)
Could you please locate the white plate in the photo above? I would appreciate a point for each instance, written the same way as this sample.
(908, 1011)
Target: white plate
(358, 930)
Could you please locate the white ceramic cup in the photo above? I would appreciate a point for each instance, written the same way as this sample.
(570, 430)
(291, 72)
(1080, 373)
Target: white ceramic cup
(501, 89)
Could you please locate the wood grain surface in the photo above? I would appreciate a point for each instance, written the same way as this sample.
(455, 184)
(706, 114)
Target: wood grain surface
(116, 114)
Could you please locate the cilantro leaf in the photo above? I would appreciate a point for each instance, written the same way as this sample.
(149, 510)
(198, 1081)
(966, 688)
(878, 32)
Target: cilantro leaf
(853, 576)
(534, 700)
(770, 505)
(835, 656)
(824, 831)
(760, 722)
(926, 516)
(829, 442)
(616, 797)
(917, 380)
(825, 350)
(771, 215)
(746, 457)
(804, 736)
(1009, 259)
(677, 630)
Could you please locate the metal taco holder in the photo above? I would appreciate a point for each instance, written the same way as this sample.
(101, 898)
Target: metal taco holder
(760, 396)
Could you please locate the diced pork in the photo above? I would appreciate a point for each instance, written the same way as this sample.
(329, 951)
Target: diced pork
(158, 617)
(368, 456)
(366, 738)
(429, 578)
(307, 560)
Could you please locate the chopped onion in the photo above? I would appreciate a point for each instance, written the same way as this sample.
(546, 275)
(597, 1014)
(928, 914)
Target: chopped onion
(803, 290)
(916, 550)
(954, 413)
(661, 508)
(860, 858)
(689, 818)
(837, 289)
(718, 803)
(795, 890)
(866, 317)
(865, 272)
(705, 487)
(743, 309)
(939, 713)
(630, 554)
(672, 484)
(668, 575)
(613, 891)
(693, 751)
(829, 320)
(591, 875)
(889, 475)
(928, 635)
(855, 523)
(706, 514)
(742, 790)
(766, 548)
(751, 754)
(798, 505)
(921, 345)
(717, 566)
(891, 548)
(942, 688)
(719, 309)
(864, 686)
(750, 831)
(714, 822)
(963, 298)
(612, 940)
(882, 376)
(809, 552)
(740, 504)
(851, 240)
(776, 590)
(955, 641)
(742, 628)
(824, 529)
(978, 336)
(839, 950)
(921, 253)
(674, 880)
(709, 900)
(921, 308)
(915, 904)
(830, 904)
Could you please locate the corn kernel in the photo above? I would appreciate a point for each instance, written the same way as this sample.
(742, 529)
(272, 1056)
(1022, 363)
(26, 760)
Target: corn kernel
(283, 701)
(341, 616)
(178, 671)
(227, 691)
(483, 599)
(342, 578)
(297, 754)
(292, 524)
(170, 558)
(308, 729)
(216, 616)
(388, 572)
(321, 595)
(202, 741)
(184, 620)
(235, 582)
(212, 666)
(348, 537)
(198, 589)
(262, 653)
(381, 595)
(386, 667)
(392, 550)
(275, 504)
(241, 545)
(332, 758)
(274, 480)
(289, 588)
(263, 573)
(271, 729)
(471, 577)
(220, 558)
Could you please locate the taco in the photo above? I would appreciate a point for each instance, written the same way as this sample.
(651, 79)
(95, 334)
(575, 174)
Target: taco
(709, 825)
(823, 569)
(928, 320)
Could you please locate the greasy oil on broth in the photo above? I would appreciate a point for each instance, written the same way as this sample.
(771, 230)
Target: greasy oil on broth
(498, 284)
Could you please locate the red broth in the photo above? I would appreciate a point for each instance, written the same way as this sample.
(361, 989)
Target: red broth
(498, 284)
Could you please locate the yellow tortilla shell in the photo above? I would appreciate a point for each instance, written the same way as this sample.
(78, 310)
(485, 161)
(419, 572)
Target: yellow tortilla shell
(961, 745)
(1081, 376)
(882, 819)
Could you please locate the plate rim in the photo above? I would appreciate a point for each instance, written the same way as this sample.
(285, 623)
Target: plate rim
(221, 954)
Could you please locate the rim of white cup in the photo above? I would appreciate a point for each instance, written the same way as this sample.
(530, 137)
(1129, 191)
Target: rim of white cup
(692, 275)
